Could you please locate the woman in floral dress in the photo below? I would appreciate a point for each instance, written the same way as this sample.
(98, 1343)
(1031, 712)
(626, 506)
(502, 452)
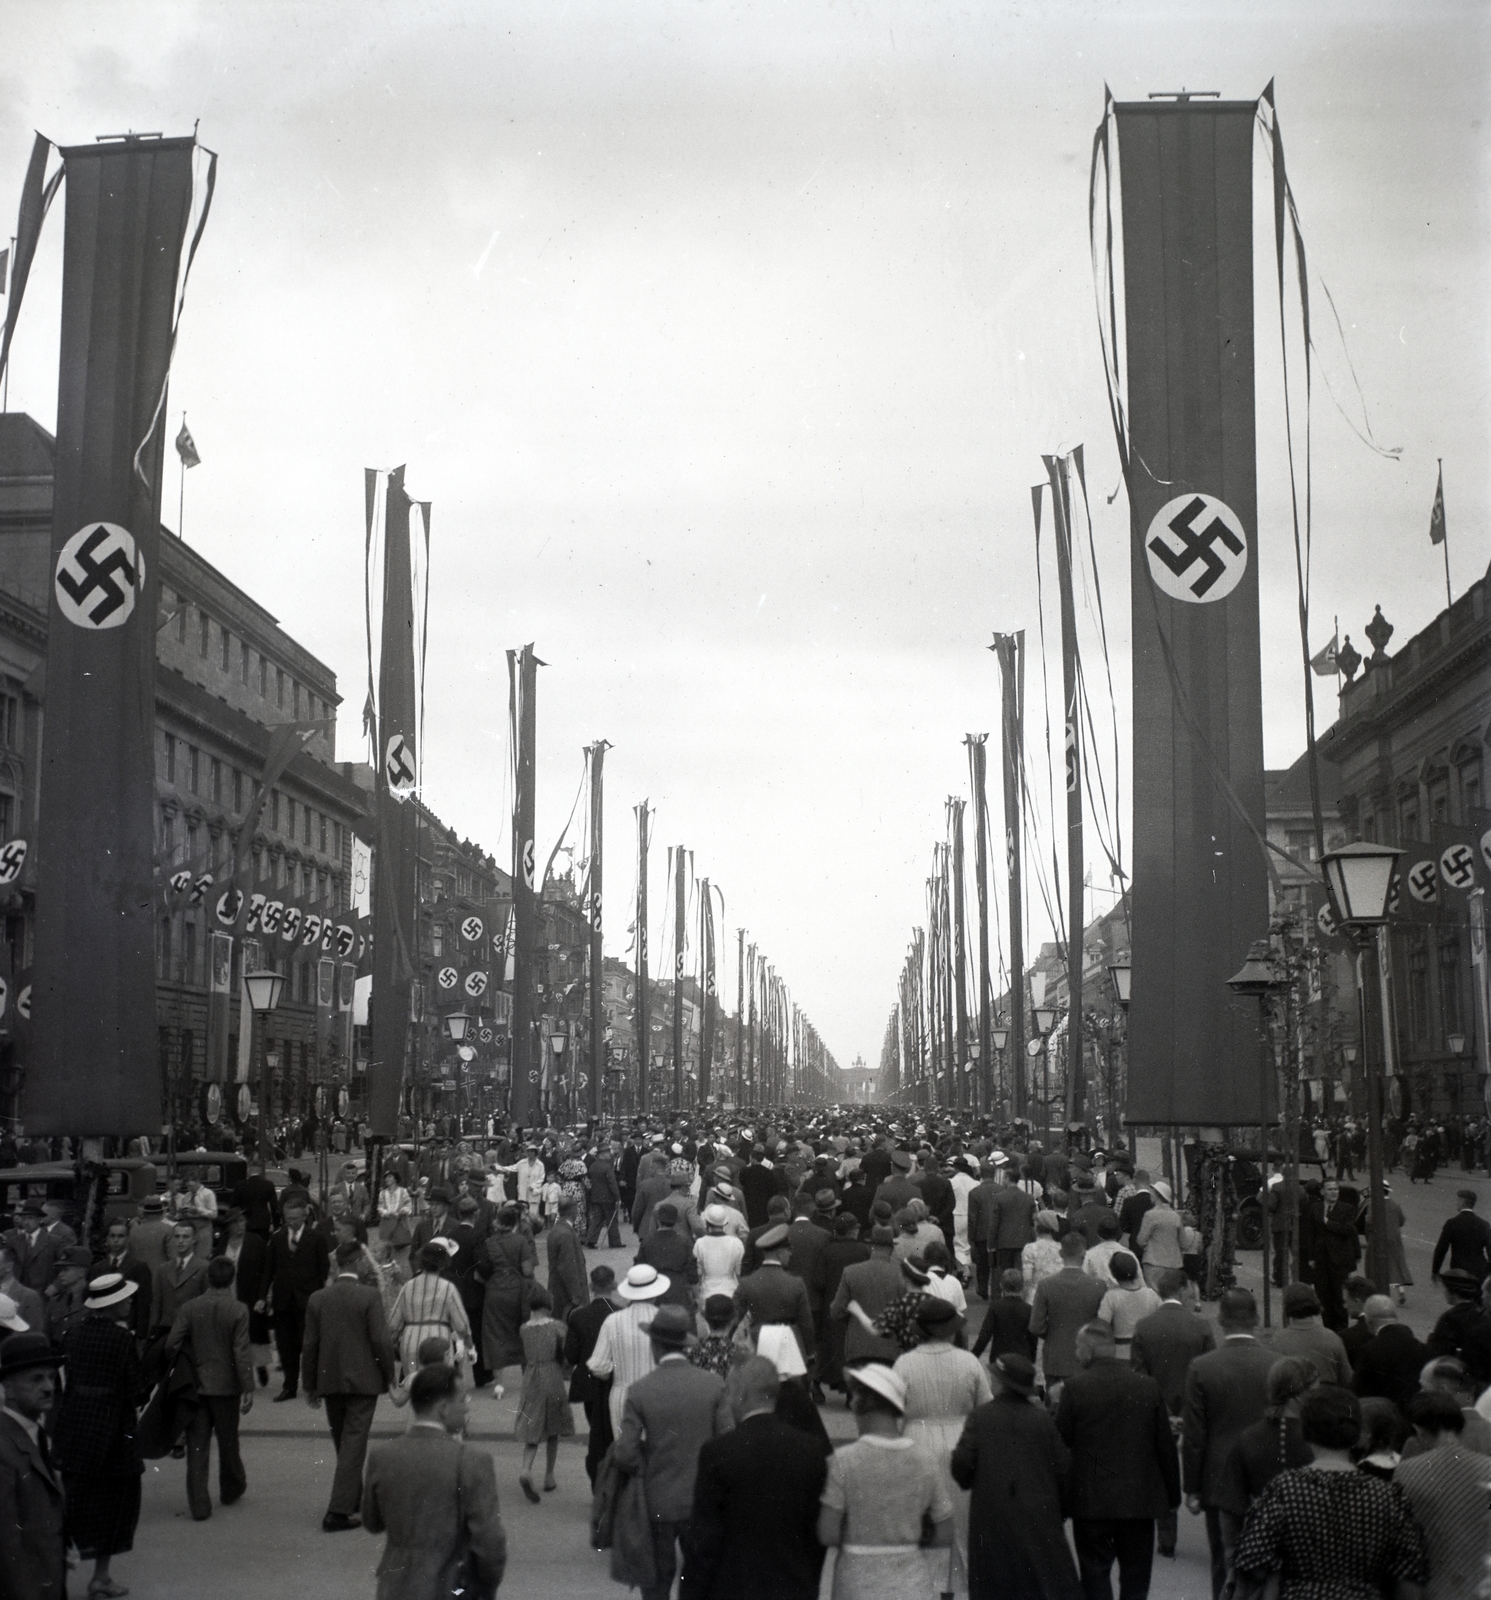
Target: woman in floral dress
(543, 1412)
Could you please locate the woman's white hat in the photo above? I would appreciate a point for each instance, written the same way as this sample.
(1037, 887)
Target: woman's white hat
(108, 1290)
(643, 1283)
(1163, 1189)
(879, 1377)
(716, 1216)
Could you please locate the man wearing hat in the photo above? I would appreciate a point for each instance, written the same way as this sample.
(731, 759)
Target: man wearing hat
(439, 1222)
(759, 1183)
(623, 1351)
(33, 1534)
(36, 1250)
(1014, 1461)
(667, 1416)
(777, 1301)
(150, 1233)
(67, 1292)
(1305, 1334)
(604, 1199)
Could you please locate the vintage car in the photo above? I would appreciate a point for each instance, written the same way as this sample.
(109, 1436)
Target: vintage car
(221, 1170)
(128, 1180)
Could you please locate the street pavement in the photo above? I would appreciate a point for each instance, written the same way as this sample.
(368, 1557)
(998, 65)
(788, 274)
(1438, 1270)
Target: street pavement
(271, 1544)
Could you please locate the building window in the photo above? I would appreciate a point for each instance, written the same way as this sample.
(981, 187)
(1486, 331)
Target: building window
(1470, 791)
(192, 767)
(1369, 830)
(191, 845)
(1410, 822)
(168, 834)
(289, 816)
(181, 619)
(237, 790)
(295, 697)
(437, 940)
(1300, 842)
(243, 661)
(263, 678)
(323, 833)
(12, 731)
(1449, 983)
(217, 780)
(274, 810)
(1418, 987)
(305, 832)
(7, 815)
(206, 637)
(170, 758)
(279, 686)
(189, 952)
(227, 650)
(336, 840)
(163, 948)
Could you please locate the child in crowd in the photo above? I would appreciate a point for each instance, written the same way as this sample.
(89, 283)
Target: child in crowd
(543, 1411)
(1006, 1329)
(1190, 1246)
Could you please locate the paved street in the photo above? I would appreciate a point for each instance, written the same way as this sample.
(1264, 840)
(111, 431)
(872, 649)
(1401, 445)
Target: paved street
(271, 1541)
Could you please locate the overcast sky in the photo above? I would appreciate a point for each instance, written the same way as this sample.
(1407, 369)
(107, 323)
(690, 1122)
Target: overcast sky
(726, 340)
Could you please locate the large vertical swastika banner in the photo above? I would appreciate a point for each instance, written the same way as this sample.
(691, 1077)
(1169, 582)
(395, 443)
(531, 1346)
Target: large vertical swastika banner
(1200, 884)
(95, 1062)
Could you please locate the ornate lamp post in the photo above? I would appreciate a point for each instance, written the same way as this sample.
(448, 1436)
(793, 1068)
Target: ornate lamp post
(457, 1026)
(1257, 977)
(999, 1038)
(1044, 1018)
(1360, 877)
(264, 990)
(557, 1041)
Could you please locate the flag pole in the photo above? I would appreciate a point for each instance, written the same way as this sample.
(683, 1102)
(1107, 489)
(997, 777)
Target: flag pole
(181, 498)
(1443, 540)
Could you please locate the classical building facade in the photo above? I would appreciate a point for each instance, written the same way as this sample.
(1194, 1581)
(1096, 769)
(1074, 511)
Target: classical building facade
(227, 673)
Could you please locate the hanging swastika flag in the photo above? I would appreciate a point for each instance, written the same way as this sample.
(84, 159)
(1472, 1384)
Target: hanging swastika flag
(100, 574)
(475, 984)
(1197, 549)
(472, 929)
(12, 859)
(398, 766)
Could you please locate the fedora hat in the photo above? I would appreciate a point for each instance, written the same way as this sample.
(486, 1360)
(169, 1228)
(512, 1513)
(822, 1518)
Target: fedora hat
(826, 1201)
(108, 1289)
(876, 1376)
(671, 1326)
(23, 1351)
(643, 1283)
(1016, 1372)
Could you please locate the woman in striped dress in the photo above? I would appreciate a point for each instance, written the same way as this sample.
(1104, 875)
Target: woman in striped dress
(429, 1307)
(943, 1386)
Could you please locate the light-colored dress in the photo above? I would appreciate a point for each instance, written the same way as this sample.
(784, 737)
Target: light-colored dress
(543, 1410)
(719, 1257)
(1039, 1259)
(1124, 1309)
(623, 1353)
(963, 1186)
(884, 1487)
(943, 1386)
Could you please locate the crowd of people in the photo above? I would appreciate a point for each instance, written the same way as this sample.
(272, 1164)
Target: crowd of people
(1015, 1332)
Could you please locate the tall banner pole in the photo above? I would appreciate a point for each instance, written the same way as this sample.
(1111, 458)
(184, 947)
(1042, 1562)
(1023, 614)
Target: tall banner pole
(642, 1027)
(680, 940)
(1200, 893)
(977, 764)
(94, 1053)
(960, 960)
(740, 1016)
(597, 754)
(706, 1038)
(1011, 650)
(751, 1023)
(526, 892)
(1058, 468)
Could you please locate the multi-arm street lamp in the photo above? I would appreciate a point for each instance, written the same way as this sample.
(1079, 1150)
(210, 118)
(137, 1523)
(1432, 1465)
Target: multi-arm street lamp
(1360, 877)
(264, 990)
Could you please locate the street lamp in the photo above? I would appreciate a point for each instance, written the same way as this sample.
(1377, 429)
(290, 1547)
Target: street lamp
(1360, 876)
(1121, 971)
(457, 1025)
(1044, 1019)
(264, 995)
(1257, 977)
(999, 1038)
(557, 1042)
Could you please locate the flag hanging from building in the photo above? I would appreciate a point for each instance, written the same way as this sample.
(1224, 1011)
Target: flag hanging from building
(1436, 516)
(1325, 664)
(186, 447)
(95, 1066)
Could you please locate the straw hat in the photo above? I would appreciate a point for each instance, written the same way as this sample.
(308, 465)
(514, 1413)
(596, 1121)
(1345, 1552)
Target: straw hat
(643, 1283)
(108, 1289)
(875, 1375)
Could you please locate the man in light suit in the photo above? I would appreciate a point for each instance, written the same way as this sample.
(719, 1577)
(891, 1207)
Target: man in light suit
(33, 1537)
(214, 1327)
(667, 1417)
(436, 1499)
(1226, 1391)
(347, 1360)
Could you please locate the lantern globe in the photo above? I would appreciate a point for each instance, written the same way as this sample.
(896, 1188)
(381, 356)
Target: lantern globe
(1360, 876)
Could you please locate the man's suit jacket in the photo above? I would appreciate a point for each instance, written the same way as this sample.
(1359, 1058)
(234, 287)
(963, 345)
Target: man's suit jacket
(36, 1256)
(253, 1270)
(1114, 1422)
(150, 1241)
(347, 1349)
(605, 1192)
(650, 1191)
(1466, 1239)
(1063, 1302)
(214, 1327)
(808, 1241)
(436, 1499)
(753, 1532)
(758, 1183)
(1316, 1343)
(1390, 1364)
(772, 1294)
(33, 1540)
(567, 1286)
(1165, 1344)
(295, 1275)
(874, 1284)
(983, 1213)
(257, 1198)
(1226, 1391)
(1014, 1218)
(430, 1227)
(173, 1285)
(667, 1416)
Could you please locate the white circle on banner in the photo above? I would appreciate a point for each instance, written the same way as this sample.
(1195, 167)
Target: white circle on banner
(1458, 866)
(99, 576)
(1423, 882)
(398, 766)
(1197, 549)
(1325, 920)
(472, 929)
(475, 984)
(1486, 857)
(12, 859)
(446, 977)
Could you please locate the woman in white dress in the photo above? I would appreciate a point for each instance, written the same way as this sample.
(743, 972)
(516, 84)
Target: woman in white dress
(719, 1255)
(964, 1181)
(943, 1386)
(1041, 1258)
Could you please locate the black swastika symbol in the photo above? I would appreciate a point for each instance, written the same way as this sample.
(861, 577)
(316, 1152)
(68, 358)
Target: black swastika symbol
(98, 575)
(1196, 544)
(12, 859)
(1421, 881)
(400, 771)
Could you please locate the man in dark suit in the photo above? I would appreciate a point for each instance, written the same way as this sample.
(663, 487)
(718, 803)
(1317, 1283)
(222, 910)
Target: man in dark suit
(436, 1498)
(296, 1269)
(667, 1416)
(1466, 1239)
(36, 1249)
(759, 1182)
(753, 1531)
(214, 1329)
(579, 1344)
(1392, 1359)
(1226, 1391)
(178, 1280)
(118, 1257)
(33, 1535)
(1063, 1303)
(257, 1199)
(348, 1361)
(439, 1222)
(29, 1304)
(1013, 1223)
(1165, 1344)
(983, 1226)
(1124, 1474)
(937, 1192)
(605, 1200)
(567, 1261)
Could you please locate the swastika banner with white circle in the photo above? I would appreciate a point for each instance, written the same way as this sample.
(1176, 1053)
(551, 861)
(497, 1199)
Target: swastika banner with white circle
(95, 1055)
(1200, 887)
